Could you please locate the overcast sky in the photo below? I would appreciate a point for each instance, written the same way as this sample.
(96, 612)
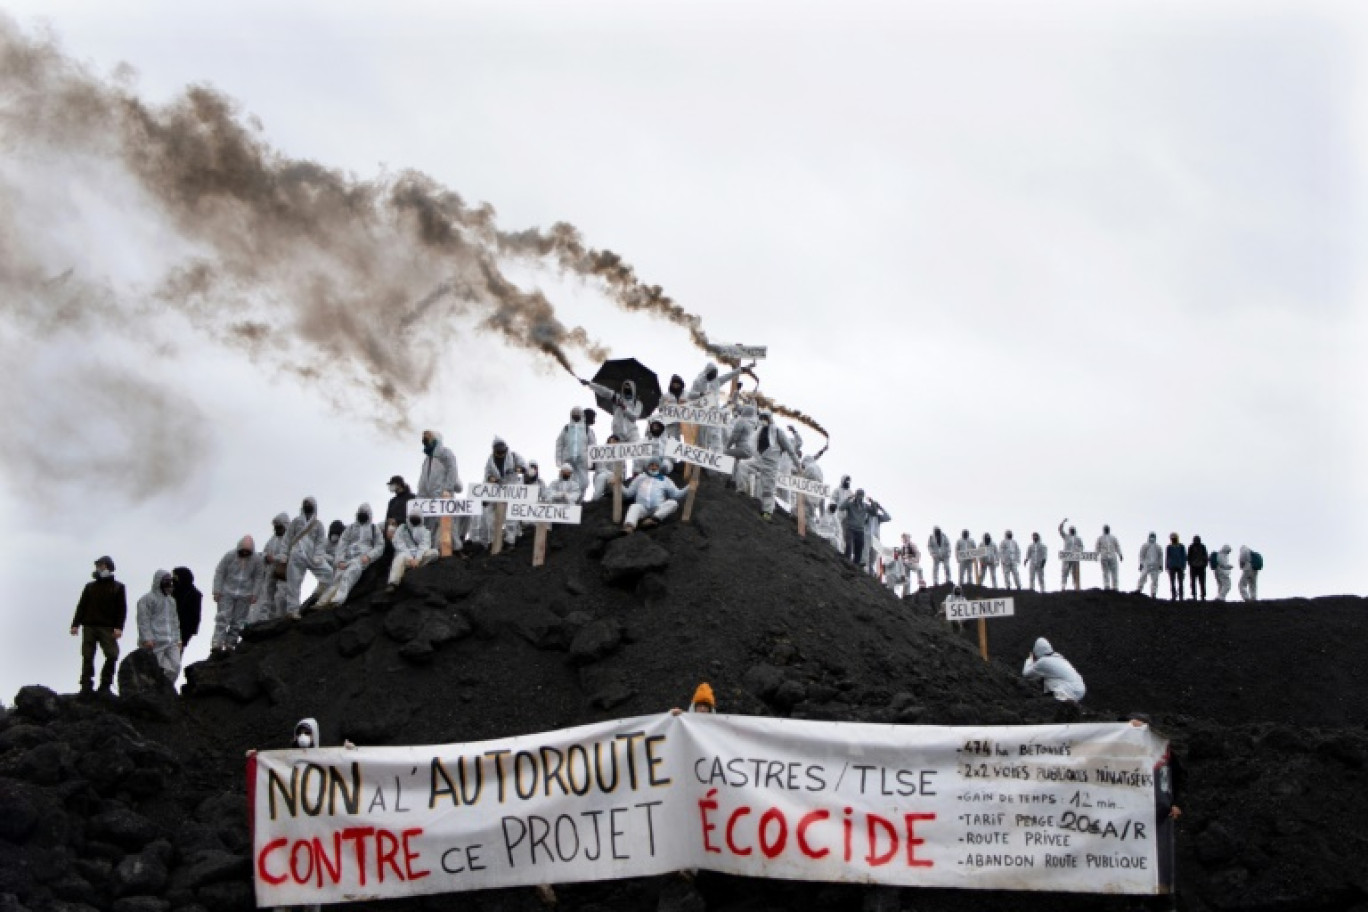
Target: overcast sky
(1024, 261)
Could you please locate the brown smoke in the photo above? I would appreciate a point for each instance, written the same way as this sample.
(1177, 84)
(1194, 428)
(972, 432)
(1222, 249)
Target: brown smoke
(780, 409)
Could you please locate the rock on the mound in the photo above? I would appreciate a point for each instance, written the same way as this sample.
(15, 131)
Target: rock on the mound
(141, 675)
(628, 558)
(595, 641)
(37, 703)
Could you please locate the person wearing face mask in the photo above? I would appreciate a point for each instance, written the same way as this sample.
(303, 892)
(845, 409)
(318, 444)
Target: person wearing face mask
(873, 525)
(810, 470)
(412, 549)
(854, 513)
(1036, 556)
(189, 603)
(656, 436)
(400, 495)
(1151, 562)
(912, 556)
(158, 626)
(1072, 542)
(770, 443)
(237, 580)
(362, 544)
(626, 412)
(1220, 566)
(988, 564)
(966, 563)
(306, 544)
(504, 464)
(335, 530)
(674, 395)
(603, 475)
(1109, 552)
(572, 446)
(654, 497)
(566, 489)
(275, 558)
(440, 477)
(706, 393)
(740, 443)
(1175, 562)
(938, 546)
(1010, 552)
(99, 619)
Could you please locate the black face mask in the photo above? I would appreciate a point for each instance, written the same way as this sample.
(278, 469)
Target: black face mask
(415, 521)
(307, 510)
(363, 518)
(279, 530)
(243, 552)
(712, 375)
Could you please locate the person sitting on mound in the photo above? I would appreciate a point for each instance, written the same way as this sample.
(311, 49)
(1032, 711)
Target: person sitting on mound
(654, 496)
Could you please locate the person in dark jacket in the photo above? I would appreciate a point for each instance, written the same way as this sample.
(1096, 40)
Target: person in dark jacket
(398, 504)
(1175, 561)
(100, 617)
(1197, 565)
(189, 602)
(855, 517)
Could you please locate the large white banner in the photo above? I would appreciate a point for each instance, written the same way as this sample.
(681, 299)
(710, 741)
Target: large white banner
(1058, 807)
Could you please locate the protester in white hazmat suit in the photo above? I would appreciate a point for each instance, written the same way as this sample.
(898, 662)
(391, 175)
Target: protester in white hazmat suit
(1151, 564)
(506, 467)
(1072, 542)
(412, 549)
(1249, 575)
(654, 496)
(1220, 565)
(913, 558)
(275, 558)
(658, 438)
(988, 564)
(705, 393)
(1010, 553)
(1109, 554)
(740, 444)
(938, 546)
(603, 475)
(159, 626)
(566, 489)
(572, 446)
(895, 572)
(237, 581)
(810, 470)
(1056, 674)
(626, 410)
(440, 477)
(1036, 556)
(362, 544)
(828, 527)
(770, 442)
(873, 525)
(306, 541)
(966, 563)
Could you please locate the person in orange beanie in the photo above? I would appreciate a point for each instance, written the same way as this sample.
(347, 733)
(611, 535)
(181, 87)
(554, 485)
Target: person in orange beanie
(703, 701)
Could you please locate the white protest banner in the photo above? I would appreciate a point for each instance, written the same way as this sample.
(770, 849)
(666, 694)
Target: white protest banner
(543, 512)
(621, 452)
(1078, 555)
(740, 352)
(968, 609)
(438, 507)
(801, 485)
(708, 459)
(504, 493)
(1050, 807)
(669, 413)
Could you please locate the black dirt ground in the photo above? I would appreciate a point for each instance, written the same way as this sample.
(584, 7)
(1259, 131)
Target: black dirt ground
(138, 803)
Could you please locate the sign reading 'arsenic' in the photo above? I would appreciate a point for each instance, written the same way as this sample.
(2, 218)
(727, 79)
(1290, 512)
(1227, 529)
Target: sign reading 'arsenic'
(708, 459)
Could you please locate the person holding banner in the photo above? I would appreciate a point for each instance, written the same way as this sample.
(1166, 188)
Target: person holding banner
(1109, 553)
(572, 446)
(1072, 542)
(674, 395)
(440, 477)
(1151, 562)
(1056, 674)
(654, 498)
(504, 466)
(938, 546)
(1175, 561)
(656, 435)
(1011, 557)
(1168, 780)
(1036, 556)
(412, 549)
(988, 563)
(963, 547)
(703, 701)
(769, 444)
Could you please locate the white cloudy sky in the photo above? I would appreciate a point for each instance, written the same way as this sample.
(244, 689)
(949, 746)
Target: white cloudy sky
(1024, 260)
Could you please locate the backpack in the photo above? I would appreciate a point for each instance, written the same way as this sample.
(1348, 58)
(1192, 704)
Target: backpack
(1256, 561)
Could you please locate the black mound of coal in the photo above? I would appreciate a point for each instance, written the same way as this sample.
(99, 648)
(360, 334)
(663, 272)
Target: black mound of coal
(138, 803)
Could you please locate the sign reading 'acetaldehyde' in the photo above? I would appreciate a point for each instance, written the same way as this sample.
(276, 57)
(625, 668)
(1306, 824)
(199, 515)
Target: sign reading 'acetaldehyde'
(1054, 807)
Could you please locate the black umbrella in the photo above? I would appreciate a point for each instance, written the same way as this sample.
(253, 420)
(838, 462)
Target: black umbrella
(614, 372)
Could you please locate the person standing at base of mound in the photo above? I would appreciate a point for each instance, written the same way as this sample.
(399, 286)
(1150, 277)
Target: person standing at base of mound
(1220, 566)
(1109, 554)
(99, 619)
(1036, 556)
(237, 580)
(1056, 674)
(938, 546)
(1151, 560)
(1175, 561)
(1168, 780)
(655, 498)
(1197, 565)
(1251, 562)
(412, 549)
(1072, 542)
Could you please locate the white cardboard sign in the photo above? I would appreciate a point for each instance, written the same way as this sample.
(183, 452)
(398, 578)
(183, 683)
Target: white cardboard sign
(1078, 555)
(437, 507)
(974, 553)
(740, 352)
(621, 452)
(692, 414)
(543, 512)
(803, 485)
(504, 493)
(967, 609)
(708, 459)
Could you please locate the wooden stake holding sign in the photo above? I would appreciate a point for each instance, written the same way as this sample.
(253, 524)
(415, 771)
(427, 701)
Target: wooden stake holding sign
(617, 493)
(500, 517)
(801, 512)
(539, 544)
(693, 492)
(964, 610)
